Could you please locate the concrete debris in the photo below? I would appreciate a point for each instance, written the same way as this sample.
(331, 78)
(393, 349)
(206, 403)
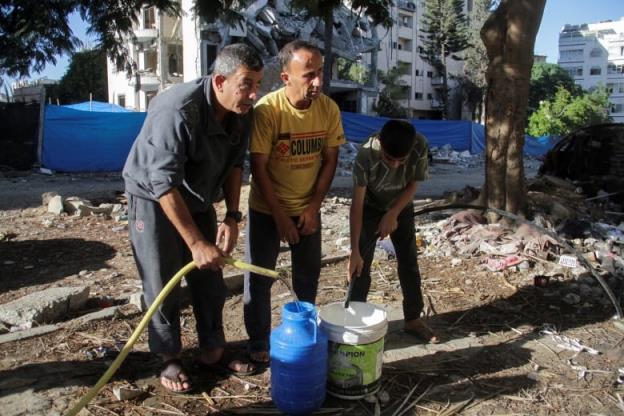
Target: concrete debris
(55, 205)
(126, 392)
(269, 25)
(46, 197)
(45, 306)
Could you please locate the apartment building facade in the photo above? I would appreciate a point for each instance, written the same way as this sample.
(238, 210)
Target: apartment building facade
(593, 54)
(169, 50)
(401, 46)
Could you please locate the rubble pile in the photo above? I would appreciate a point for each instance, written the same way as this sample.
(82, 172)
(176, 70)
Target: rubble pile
(589, 224)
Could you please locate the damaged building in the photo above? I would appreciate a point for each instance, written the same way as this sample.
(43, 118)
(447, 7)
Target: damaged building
(166, 50)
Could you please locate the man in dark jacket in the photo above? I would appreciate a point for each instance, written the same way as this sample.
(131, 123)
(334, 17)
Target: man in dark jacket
(188, 155)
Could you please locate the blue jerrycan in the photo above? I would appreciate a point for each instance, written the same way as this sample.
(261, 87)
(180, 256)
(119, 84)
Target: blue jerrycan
(298, 361)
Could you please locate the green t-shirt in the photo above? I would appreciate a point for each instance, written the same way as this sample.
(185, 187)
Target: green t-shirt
(383, 184)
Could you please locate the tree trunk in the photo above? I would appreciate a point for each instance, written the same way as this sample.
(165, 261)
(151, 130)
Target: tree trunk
(328, 18)
(509, 37)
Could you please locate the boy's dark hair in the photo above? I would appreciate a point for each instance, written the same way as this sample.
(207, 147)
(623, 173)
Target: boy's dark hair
(285, 55)
(397, 138)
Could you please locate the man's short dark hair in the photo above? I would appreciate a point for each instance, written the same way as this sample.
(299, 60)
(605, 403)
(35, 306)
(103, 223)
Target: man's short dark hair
(286, 53)
(397, 138)
(233, 56)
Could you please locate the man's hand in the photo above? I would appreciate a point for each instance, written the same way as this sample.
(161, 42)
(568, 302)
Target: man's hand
(228, 233)
(356, 264)
(286, 229)
(207, 255)
(308, 220)
(387, 225)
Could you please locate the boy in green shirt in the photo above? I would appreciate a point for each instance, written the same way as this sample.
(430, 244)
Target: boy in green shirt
(386, 172)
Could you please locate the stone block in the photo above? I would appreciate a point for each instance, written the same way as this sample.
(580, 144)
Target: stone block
(55, 205)
(45, 306)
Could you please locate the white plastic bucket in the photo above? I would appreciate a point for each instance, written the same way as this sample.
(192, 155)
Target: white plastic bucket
(356, 341)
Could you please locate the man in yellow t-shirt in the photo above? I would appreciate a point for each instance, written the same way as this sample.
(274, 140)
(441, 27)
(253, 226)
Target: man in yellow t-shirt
(294, 146)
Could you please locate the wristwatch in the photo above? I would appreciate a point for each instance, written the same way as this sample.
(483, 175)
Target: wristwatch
(237, 216)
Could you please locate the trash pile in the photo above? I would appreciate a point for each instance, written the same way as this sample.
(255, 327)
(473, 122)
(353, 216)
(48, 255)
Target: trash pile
(588, 224)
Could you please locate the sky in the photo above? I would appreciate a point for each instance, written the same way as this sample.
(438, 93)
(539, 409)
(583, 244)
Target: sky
(556, 14)
(559, 12)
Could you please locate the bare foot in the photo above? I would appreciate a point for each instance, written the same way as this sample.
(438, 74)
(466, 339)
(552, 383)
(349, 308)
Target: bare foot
(419, 329)
(222, 361)
(172, 377)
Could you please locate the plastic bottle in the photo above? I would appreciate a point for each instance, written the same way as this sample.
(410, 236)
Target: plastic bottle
(298, 361)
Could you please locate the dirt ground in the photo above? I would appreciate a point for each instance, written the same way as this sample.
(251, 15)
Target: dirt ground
(495, 358)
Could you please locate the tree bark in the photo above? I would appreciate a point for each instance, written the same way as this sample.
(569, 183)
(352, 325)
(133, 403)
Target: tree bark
(328, 18)
(509, 37)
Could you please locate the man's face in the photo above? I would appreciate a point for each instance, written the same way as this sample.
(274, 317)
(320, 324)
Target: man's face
(239, 90)
(304, 76)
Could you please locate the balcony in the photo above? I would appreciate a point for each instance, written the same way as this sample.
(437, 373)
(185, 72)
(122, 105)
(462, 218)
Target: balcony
(145, 35)
(148, 81)
(436, 103)
(409, 6)
(437, 82)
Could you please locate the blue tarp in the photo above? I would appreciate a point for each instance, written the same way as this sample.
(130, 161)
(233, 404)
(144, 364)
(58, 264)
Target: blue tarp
(88, 141)
(99, 107)
(90, 137)
(461, 135)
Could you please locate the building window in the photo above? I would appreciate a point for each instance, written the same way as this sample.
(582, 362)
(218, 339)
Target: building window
(575, 71)
(406, 21)
(417, 72)
(430, 96)
(572, 55)
(429, 74)
(617, 108)
(595, 70)
(621, 50)
(418, 96)
(595, 53)
(615, 87)
(149, 18)
(121, 100)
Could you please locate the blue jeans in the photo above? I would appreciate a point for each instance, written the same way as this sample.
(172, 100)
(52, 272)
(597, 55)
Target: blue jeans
(262, 250)
(404, 241)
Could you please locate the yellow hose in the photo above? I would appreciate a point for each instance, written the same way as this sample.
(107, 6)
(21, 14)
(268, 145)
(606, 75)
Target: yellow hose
(148, 315)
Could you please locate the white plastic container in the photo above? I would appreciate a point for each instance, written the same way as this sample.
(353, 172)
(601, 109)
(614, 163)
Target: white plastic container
(356, 342)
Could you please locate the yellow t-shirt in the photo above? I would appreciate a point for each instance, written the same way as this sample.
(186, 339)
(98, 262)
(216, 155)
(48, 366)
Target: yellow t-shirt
(294, 140)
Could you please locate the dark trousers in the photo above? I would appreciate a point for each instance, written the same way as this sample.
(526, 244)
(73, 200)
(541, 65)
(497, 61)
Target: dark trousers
(263, 245)
(404, 241)
(160, 252)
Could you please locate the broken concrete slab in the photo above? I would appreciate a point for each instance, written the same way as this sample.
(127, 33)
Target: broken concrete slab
(94, 316)
(45, 306)
(28, 333)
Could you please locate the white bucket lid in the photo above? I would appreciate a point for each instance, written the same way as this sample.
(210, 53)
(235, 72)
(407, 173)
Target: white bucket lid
(360, 323)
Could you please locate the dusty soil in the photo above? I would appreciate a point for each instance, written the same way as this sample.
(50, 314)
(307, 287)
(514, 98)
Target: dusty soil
(515, 369)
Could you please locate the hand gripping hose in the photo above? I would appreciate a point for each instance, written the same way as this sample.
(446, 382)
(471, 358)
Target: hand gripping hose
(148, 315)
